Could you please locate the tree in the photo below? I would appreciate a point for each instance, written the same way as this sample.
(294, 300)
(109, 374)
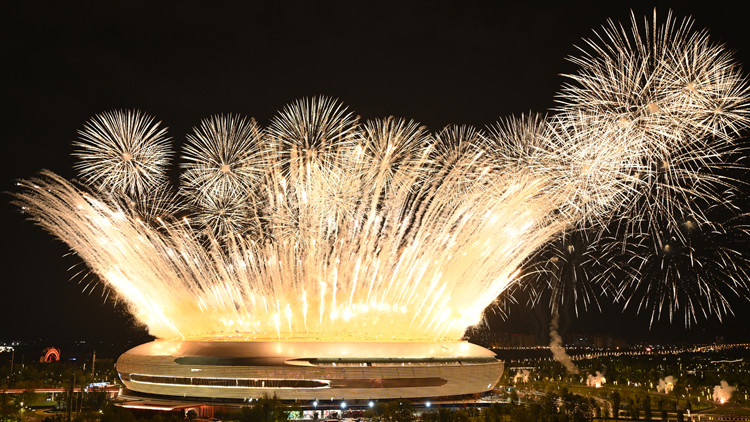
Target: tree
(396, 411)
(266, 409)
(646, 405)
(549, 403)
(112, 413)
(8, 406)
(635, 412)
(661, 403)
(94, 400)
(26, 398)
(616, 404)
(514, 397)
(461, 415)
(531, 412)
(494, 413)
(606, 409)
(680, 416)
(448, 415)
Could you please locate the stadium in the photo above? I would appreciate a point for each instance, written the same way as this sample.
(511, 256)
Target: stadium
(239, 371)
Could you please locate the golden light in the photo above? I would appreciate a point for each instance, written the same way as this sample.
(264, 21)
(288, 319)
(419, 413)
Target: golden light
(320, 227)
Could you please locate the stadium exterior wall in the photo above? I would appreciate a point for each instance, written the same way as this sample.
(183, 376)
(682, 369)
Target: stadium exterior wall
(243, 370)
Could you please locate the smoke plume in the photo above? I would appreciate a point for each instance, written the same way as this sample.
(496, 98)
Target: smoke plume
(666, 384)
(723, 392)
(521, 374)
(555, 346)
(596, 380)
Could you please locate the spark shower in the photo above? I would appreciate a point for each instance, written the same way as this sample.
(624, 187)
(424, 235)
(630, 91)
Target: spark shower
(324, 227)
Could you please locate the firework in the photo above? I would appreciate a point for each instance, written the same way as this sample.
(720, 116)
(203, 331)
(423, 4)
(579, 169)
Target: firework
(566, 273)
(665, 95)
(393, 144)
(124, 152)
(696, 269)
(519, 143)
(461, 155)
(679, 100)
(221, 158)
(322, 227)
(407, 261)
(305, 133)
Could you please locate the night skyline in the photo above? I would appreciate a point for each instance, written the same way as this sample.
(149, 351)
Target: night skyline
(434, 65)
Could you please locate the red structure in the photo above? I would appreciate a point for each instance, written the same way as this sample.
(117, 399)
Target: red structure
(50, 354)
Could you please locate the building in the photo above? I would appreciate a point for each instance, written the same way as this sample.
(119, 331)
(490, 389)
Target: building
(238, 371)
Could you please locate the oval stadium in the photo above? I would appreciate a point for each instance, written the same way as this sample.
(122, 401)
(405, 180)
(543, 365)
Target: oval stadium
(238, 371)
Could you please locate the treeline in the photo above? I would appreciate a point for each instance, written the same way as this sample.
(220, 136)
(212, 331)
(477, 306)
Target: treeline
(693, 370)
(55, 374)
(549, 407)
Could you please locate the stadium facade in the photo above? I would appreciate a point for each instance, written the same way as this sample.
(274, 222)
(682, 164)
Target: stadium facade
(236, 371)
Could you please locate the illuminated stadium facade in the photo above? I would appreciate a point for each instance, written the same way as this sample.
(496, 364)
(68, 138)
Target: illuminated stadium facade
(236, 371)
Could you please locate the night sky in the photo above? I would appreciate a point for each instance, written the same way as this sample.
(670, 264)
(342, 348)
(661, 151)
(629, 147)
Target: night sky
(438, 63)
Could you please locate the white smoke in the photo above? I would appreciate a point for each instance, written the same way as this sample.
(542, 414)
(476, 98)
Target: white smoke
(555, 346)
(596, 380)
(723, 392)
(666, 384)
(521, 374)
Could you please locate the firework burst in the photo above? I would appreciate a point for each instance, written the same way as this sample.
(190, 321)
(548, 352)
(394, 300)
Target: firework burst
(306, 132)
(124, 152)
(680, 101)
(520, 143)
(221, 158)
(322, 227)
(696, 269)
(565, 274)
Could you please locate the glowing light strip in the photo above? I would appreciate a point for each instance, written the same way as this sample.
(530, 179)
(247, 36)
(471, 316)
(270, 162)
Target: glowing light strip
(327, 382)
(149, 407)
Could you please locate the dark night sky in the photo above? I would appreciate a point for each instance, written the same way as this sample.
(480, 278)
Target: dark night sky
(468, 62)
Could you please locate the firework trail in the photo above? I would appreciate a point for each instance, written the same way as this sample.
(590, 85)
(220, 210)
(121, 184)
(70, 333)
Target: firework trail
(320, 226)
(566, 273)
(696, 268)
